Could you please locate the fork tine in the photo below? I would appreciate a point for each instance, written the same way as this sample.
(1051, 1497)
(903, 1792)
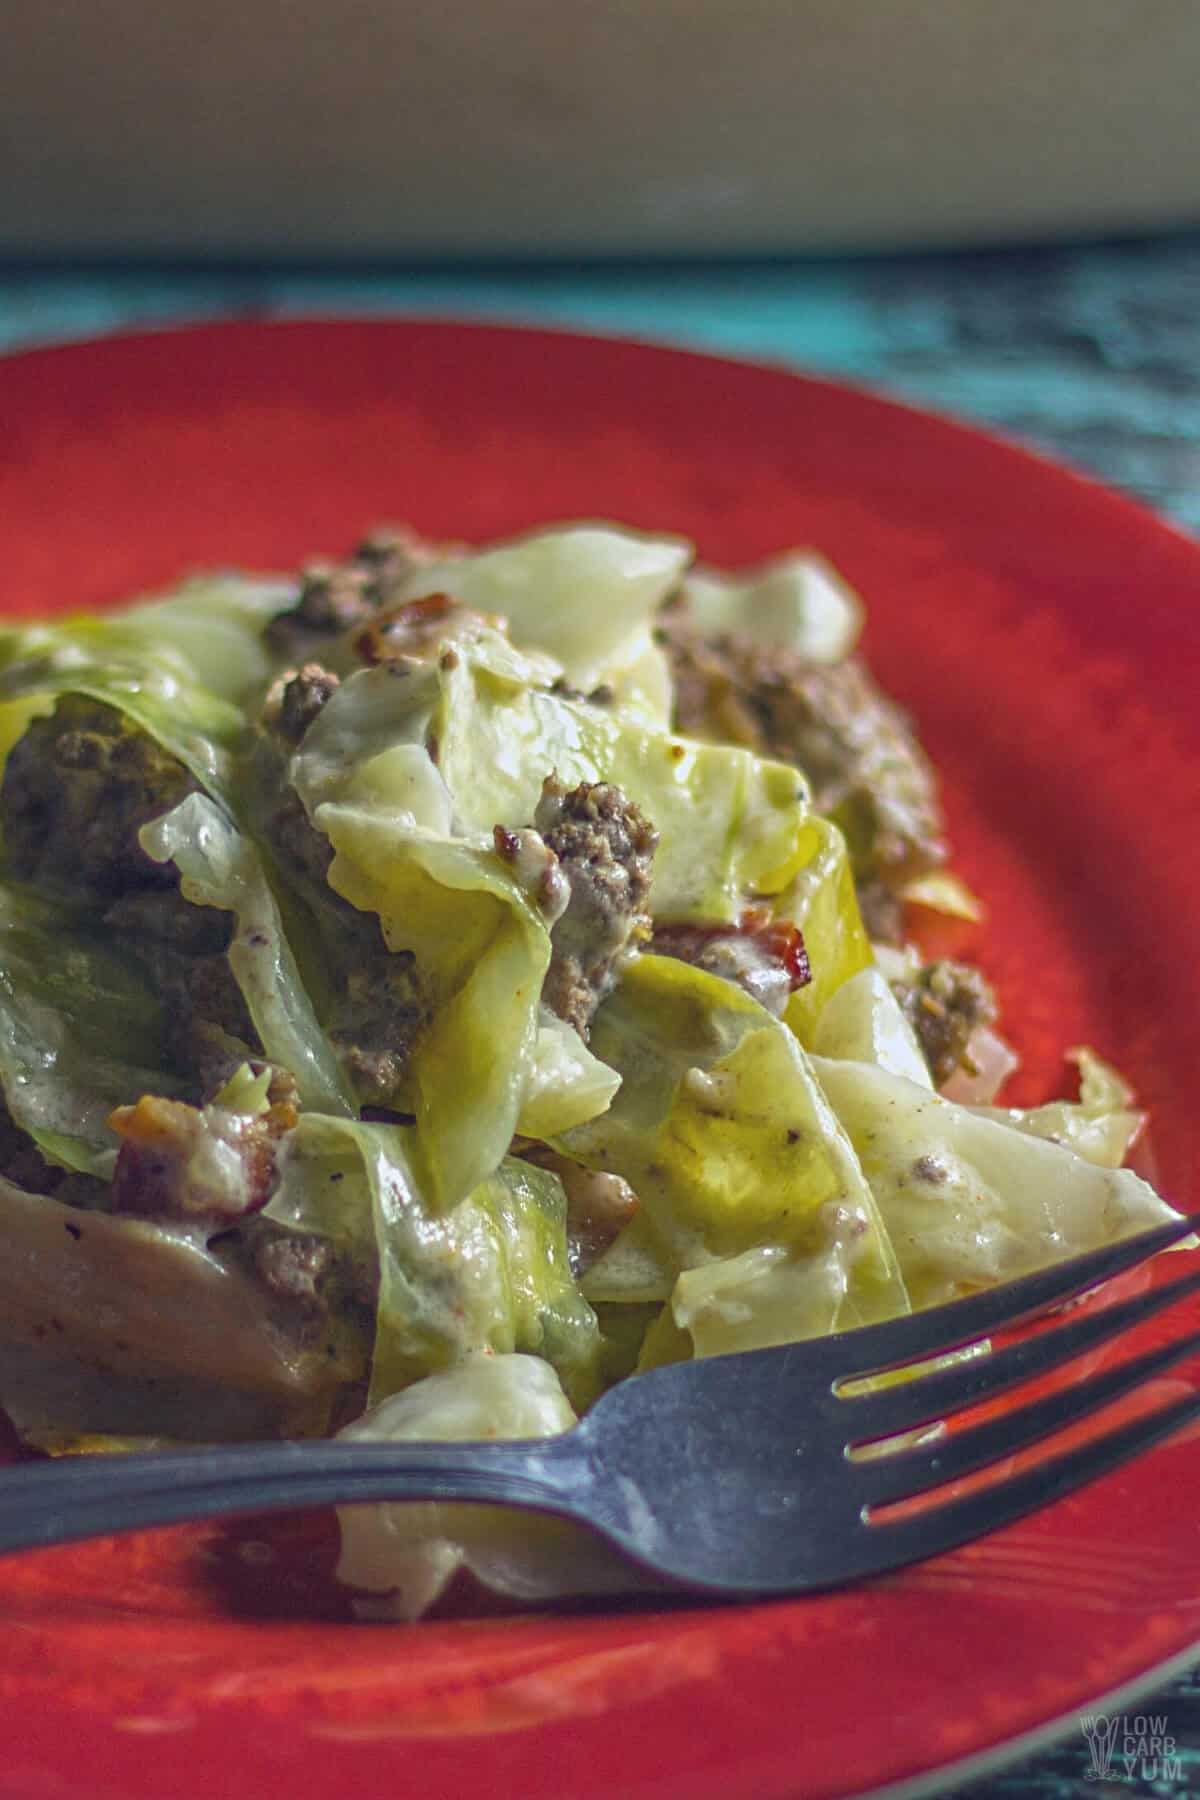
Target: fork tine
(928, 1397)
(890, 1544)
(906, 1473)
(918, 1335)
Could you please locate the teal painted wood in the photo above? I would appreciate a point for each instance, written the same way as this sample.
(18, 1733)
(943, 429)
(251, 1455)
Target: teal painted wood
(1090, 353)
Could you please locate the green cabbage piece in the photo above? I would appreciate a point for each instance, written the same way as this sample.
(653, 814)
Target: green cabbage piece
(215, 625)
(969, 1201)
(586, 594)
(634, 1270)
(154, 1334)
(492, 1274)
(1100, 1126)
(245, 1092)
(821, 899)
(796, 601)
(209, 629)
(401, 1557)
(864, 1022)
(732, 826)
(367, 746)
(483, 952)
(220, 866)
(181, 668)
(566, 1085)
(80, 1030)
(750, 1188)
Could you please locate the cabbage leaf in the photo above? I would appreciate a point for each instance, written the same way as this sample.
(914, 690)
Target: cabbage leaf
(864, 1022)
(821, 900)
(181, 667)
(749, 1186)
(586, 594)
(566, 1085)
(156, 1333)
(1101, 1125)
(968, 1200)
(483, 951)
(81, 1031)
(797, 602)
(220, 866)
(490, 1275)
(401, 1557)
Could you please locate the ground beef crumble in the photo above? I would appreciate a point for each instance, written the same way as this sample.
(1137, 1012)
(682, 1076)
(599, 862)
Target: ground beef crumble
(292, 1264)
(312, 1278)
(380, 1013)
(182, 948)
(945, 1003)
(296, 700)
(78, 787)
(605, 848)
(379, 1004)
(857, 748)
(333, 598)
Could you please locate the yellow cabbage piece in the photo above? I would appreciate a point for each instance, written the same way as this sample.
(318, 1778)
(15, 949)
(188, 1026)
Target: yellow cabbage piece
(492, 1274)
(219, 866)
(587, 594)
(1101, 1125)
(971, 1200)
(483, 952)
(401, 1557)
(750, 1191)
(797, 601)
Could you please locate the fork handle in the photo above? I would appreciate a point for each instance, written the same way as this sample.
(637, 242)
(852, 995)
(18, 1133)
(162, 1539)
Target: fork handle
(67, 1499)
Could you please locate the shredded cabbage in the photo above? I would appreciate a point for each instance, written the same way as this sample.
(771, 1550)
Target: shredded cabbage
(401, 1558)
(793, 1176)
(219, 866)
(81, 1030)
(797, 602)
(491, 1274)
(750, 1187)
(585, 594)
(969, 1200)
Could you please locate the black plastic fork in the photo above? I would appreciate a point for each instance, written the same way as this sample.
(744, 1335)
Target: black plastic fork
(734, 1476)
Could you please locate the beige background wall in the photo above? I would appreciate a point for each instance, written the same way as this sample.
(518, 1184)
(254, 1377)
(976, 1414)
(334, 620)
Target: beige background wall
(527, 126)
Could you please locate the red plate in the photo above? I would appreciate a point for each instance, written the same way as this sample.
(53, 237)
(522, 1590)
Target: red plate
(1045, 634)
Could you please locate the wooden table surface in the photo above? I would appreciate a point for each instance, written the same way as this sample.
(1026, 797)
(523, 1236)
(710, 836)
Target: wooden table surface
(1090, 353)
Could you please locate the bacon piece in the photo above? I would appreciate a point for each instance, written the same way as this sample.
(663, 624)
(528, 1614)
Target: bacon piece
(766, 957)
(186, 1162)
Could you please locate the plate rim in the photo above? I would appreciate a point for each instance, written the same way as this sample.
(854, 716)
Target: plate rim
(1010, 443)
